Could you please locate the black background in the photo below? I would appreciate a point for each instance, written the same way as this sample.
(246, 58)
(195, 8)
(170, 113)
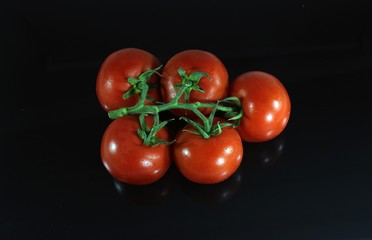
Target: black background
(313, 181)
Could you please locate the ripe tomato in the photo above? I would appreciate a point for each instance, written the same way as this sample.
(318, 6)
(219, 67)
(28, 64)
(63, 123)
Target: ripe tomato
(191, 61)
(210, 160)
(127, 159)
(266, 105)
(112, 80)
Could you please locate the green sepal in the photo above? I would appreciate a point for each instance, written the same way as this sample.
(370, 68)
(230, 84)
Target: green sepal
(232, 116)
(139, 84)
(237, 112)
(236, 123)
(133, 81)
(143, 124)
(182, 73)
(217, 129)
(231, 102)
(148, 134)
(186, 95)
(199, 89)
(155, 141)
(146, 75)
(196, 76)
(130, 92)
(178, 86)
(211, 116)
(142, 134)
(190, 82)
(199, 127)
(193, 132)
(156, 128)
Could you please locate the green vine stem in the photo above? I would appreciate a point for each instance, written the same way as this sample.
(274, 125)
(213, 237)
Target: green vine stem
(231, 106)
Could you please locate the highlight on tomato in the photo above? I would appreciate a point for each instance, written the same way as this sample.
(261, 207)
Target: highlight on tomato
(266, 105)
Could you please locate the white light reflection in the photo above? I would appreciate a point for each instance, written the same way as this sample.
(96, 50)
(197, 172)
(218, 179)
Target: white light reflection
(276, 104)
(106, 166)
(284, 121)
(186, 152)
(113, 147)
(146, 163)
(269, 117)
(269, 133)
(109, 84)
(228, 150)
(251, 107)
(220, 161)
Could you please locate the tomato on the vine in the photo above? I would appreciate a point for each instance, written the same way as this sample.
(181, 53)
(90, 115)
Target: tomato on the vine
(127, 159)
(213, 89)
(207, 160)
(112, 80)
(266, 105)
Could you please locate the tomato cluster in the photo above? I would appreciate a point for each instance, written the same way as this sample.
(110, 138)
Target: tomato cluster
(138, 148)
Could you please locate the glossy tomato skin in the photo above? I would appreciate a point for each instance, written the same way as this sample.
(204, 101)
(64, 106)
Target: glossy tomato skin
(266, 105)
(112, 80)
(127, 159)
(207, 161)
(195, 60)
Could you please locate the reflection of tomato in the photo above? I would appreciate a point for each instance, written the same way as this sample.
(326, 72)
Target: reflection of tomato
(127, 159)
(210, 160)
(155, 193)
(112, 80)
(266, 105)
(195, 61)
(213, 193)
(264, 154)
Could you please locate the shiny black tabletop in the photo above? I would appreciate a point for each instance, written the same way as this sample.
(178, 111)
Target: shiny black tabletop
(313, 181)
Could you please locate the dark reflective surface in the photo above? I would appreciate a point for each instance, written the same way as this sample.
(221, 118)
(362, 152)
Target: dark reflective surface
(213, 193)
(264, 154)
(312, 182)
(154, 193)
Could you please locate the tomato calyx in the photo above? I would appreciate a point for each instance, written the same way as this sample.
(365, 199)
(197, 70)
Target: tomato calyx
(140, 85)
(148, 135)
(190, 82)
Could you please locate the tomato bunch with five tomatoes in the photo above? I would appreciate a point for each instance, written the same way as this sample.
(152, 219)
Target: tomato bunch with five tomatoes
(137, 147)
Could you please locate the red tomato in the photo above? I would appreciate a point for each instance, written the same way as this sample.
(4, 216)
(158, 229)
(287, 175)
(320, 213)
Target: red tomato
(195, 61)
(266, 105)
(112, 80)
(127, 159)
(210, 160)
